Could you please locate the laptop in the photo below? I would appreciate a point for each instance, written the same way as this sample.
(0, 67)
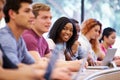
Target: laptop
(109, 56)
(106, 61)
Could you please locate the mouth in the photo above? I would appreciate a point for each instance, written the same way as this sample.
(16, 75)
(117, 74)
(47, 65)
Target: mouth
(66, 37)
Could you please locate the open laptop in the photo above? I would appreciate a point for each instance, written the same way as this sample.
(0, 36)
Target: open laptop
(109, 56)
(107, 60)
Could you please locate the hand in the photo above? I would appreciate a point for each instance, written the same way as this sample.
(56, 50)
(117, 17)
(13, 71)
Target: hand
(61, 74)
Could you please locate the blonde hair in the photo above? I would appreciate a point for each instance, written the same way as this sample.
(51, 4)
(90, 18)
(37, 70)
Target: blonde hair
(39, 7)
(86, 27)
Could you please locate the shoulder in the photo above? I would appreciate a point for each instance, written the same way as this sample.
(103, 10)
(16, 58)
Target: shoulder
(6, 37)
(51, 43)
(28, 34)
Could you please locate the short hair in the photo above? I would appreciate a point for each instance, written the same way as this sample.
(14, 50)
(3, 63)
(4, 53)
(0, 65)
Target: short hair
(39, 7)
(15, 5)
(3, 1)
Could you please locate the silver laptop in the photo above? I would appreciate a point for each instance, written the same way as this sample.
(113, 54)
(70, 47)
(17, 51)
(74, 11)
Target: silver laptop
(109, 56)
(106, 61)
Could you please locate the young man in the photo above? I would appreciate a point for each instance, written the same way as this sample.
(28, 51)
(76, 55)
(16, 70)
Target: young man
(19, 16)
(36, 44)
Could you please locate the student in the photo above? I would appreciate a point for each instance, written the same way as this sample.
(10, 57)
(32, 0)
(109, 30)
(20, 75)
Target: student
(91, 30)
(36, 44)
(77, 52)
(63, 33)
(107, 39)
(42, 23)
(19, 16)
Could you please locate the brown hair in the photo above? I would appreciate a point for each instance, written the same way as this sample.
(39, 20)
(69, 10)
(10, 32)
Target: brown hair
(86, 27)
(39, 7)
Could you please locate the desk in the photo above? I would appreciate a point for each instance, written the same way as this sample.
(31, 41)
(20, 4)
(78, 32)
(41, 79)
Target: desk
(99, 74)
(85, 73)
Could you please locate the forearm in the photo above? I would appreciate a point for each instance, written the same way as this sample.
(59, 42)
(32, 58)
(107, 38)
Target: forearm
(72, 65)
(7, 74)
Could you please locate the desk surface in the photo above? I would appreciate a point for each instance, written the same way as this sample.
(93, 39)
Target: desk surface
(89, 72)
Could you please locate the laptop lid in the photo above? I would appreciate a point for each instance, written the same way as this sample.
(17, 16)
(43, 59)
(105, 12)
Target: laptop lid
(109, 56)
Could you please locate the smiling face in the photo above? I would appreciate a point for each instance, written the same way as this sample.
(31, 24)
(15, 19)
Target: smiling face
(66, 33)
(42, 22)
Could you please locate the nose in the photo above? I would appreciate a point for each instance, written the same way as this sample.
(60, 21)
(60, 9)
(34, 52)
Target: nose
(49, 21)
(32, 15)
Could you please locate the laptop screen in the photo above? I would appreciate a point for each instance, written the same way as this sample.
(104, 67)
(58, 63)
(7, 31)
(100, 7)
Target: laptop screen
(109, 56)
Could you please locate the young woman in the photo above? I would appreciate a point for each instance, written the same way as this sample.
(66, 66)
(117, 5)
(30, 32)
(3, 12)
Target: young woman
(63, 33)
(90, 32)
(107, 39)
(77, 52)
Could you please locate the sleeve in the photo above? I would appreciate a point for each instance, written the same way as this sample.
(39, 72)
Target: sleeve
(47, 48)
(10, 48)
(28, 59)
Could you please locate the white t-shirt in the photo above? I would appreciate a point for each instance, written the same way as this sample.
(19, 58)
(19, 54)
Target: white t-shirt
(52, 45)
(86, 46)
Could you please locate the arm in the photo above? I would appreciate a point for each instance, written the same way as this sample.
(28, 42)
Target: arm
(72, 65)
(35, 55)
(23, 73)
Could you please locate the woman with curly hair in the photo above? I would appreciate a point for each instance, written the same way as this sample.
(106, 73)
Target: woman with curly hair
(63, 33)
(91, 30)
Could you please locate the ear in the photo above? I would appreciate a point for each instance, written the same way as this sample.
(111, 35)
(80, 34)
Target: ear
(12, 14)
(105, 37)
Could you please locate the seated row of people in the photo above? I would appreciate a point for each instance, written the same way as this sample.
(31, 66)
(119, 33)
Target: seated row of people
(29, 24)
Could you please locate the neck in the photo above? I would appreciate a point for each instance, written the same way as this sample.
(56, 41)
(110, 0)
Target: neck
(37, 32)
(105, 45)
(16, 30)
(88, 37)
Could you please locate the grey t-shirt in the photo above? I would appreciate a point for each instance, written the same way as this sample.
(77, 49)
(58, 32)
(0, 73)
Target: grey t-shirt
(16, 51)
